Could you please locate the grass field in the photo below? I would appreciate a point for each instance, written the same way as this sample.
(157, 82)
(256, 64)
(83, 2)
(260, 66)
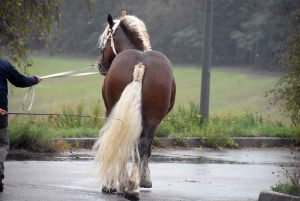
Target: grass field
(233, 92)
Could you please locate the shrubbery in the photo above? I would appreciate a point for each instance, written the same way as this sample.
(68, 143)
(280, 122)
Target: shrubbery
(35, 132)
(186, 122)
(291, 183)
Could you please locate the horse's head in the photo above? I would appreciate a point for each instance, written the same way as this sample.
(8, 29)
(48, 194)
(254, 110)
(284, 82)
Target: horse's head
(127, 33)
(107, 46)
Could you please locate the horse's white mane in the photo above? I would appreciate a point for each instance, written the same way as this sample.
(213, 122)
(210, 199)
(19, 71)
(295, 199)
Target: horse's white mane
(135, 25)
(138, 25)
(103, 39)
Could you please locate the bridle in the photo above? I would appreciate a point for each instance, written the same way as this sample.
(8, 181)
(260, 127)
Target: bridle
(109, 36)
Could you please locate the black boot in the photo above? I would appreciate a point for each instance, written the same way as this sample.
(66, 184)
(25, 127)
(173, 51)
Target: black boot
(1, 184)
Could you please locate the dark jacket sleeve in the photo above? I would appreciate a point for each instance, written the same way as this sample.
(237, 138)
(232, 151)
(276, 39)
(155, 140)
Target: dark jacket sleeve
(19, 80)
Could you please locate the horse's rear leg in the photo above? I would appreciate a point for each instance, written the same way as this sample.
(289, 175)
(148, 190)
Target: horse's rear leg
(132, 189)
(123, 180)
(145, 152)
(145, 179)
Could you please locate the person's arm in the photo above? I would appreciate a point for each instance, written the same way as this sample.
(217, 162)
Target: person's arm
(19, 80)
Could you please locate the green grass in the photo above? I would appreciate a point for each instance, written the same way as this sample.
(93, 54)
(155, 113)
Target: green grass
(51, 94)
(237, 104)
(186, 122)
(232, 92)
(291, 182)
(31, 132)
(36, 132)
(287, 188)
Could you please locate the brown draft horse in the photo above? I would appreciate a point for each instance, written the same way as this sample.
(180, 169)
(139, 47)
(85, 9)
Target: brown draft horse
(138, 91)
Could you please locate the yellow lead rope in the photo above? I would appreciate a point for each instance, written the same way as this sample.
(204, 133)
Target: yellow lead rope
(72, 73)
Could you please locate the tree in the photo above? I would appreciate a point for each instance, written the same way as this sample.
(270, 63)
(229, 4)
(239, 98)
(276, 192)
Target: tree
(262, 35)
(228, 15)
(250, 39)
(23, 21)
(188, 39)
(287, 91)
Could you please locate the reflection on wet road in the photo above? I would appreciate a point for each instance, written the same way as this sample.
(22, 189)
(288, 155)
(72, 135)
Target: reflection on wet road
(217, 175)
(226, 156)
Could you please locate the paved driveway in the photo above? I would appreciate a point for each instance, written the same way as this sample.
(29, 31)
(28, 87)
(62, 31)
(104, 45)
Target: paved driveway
(177, 175)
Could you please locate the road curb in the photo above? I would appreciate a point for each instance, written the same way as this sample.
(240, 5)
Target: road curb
(194, 142)
(268, 195)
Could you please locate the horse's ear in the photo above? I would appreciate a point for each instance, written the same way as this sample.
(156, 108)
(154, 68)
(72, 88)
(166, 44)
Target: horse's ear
(110, 21)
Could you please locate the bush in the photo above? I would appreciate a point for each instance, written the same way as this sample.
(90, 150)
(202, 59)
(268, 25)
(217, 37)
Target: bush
(287, 91)
(28, 135)
(164, 129)
(286, 188)
(35, 133)
(75, 117)
(291, 184)
(180, 142)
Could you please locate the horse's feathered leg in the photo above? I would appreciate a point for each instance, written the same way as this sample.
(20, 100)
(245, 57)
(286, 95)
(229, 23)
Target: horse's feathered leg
(145, 179)
(123, 180)
(133, 188)
(108, 189)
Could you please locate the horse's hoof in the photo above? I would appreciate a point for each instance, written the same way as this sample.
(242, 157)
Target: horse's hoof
(132, 197)
(132, 194)
(108, 190)
(145, 184)
(120, 191)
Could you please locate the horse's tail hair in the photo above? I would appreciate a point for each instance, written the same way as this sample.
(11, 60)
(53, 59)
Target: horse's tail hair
(119, 137)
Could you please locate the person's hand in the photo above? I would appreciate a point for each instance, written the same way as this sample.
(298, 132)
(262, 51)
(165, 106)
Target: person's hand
(39, 78)
(2, 112)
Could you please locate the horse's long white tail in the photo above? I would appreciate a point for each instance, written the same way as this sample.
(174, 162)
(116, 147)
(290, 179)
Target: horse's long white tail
(118, 141)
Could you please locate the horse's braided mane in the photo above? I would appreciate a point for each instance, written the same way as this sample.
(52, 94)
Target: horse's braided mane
(135, 29)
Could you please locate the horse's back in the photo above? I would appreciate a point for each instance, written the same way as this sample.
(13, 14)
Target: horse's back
(158, 86)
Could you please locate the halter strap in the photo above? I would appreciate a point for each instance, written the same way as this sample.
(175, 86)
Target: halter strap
(110, 35)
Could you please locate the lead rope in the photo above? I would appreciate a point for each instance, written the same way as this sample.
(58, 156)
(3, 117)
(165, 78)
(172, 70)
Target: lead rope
(72, 73)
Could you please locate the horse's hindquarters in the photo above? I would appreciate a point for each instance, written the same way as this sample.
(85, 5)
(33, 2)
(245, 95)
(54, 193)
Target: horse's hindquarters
(156, 85)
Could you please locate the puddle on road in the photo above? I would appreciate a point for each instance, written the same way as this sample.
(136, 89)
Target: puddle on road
(48, 157)
(191, 160)
(86, 157)
(155, 158)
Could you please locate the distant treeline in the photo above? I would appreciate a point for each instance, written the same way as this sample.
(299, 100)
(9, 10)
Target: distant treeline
(245, 32)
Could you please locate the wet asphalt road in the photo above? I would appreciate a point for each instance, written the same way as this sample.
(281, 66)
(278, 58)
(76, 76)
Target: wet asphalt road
(206, 175)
